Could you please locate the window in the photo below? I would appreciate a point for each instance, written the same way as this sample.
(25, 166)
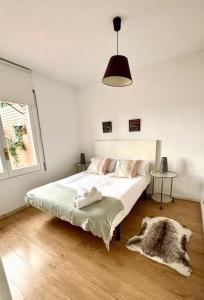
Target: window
(18, 148)
(1, 167)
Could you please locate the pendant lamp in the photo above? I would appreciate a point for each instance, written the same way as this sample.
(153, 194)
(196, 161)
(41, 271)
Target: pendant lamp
(117, 72)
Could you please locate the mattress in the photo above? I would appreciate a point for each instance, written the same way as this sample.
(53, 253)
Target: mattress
(127, 190)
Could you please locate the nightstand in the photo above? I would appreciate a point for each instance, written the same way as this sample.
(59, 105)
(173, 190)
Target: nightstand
(81, 167)
(161, 197)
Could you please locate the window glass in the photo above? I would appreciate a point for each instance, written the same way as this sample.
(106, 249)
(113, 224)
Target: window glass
(15, 119)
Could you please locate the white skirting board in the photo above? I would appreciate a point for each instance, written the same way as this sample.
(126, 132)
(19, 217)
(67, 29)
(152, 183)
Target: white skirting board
(13, 212)
(183, 197)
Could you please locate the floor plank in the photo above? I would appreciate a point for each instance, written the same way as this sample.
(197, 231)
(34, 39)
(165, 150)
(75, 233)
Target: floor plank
(46, 258)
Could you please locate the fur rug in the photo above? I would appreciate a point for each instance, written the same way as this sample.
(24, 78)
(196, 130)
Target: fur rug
(163, 240)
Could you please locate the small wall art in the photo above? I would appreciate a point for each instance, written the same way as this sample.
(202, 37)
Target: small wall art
(134, 125)
(107, 127)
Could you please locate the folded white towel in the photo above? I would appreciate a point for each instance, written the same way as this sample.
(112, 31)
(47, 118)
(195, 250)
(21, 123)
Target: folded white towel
(81, 191)
(92, 192)
(87, 199)
(86, 193)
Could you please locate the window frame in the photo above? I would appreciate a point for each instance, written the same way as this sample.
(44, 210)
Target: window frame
(8, 172)
(3, 175)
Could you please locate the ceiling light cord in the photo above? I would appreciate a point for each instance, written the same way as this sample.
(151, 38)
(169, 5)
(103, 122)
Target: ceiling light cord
(117, 42)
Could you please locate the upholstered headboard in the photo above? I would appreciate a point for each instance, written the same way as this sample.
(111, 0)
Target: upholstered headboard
(132, 149)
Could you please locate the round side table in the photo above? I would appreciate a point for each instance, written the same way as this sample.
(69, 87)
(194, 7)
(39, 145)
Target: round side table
(161, 197)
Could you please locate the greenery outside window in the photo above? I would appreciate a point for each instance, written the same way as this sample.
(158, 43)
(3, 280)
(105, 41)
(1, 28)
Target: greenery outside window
(18, 147)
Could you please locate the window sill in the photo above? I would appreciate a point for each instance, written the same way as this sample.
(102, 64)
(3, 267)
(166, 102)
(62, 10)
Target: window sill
(22, 174)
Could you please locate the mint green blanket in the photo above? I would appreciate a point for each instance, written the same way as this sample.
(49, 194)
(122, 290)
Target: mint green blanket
(58, 201)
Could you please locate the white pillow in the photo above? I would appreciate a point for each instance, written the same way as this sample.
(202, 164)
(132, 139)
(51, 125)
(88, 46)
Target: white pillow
(143, 169)
(112, 166)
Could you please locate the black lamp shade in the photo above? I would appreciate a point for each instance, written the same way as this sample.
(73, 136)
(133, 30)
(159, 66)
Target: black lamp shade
(117, 72)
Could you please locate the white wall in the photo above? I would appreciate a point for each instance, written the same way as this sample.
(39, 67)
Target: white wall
(169, 99)
(58, 115)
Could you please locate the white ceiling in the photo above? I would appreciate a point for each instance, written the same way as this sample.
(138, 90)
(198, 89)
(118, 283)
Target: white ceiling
(72, 40)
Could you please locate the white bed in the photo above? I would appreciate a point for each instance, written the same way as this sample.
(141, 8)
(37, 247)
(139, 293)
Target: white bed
(127, 190)
(55, 197)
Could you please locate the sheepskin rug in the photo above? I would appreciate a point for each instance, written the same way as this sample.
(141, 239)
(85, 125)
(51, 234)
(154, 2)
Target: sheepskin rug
(163, 240)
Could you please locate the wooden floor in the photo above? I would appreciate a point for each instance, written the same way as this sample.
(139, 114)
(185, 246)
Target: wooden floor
(46, 258)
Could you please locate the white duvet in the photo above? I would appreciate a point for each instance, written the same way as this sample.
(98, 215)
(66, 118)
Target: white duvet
(127, 190)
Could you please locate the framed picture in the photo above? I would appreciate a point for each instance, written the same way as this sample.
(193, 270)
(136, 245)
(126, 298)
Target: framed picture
(134, 125)
(107, 127)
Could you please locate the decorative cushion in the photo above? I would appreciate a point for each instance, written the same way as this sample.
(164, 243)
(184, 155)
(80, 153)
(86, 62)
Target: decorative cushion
(134, 168)
(99, 166)
(127, 168)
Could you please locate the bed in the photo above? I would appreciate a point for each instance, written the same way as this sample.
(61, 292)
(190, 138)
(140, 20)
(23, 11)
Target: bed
(120, 194)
